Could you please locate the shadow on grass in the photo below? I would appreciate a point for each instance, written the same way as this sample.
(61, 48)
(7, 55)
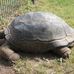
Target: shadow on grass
(48, 55)
(4, 62)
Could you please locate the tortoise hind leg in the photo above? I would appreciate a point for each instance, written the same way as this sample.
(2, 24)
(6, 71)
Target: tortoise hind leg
(71, 45)
(8, 53)
(63, 52)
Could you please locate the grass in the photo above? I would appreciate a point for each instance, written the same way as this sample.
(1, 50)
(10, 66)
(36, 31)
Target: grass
(41, 65)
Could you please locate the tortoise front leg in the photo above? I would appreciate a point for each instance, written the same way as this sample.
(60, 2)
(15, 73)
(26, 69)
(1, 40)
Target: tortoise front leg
(63, 52)
(8, 53)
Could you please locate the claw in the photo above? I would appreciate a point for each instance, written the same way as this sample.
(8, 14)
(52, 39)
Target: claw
(67, 53)
(14, 57)
(66, 56)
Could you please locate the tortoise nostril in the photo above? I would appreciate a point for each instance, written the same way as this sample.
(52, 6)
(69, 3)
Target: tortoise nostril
(2, 35)
(2, 41)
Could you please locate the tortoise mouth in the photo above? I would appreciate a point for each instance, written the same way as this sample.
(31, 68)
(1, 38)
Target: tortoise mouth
(2, 35)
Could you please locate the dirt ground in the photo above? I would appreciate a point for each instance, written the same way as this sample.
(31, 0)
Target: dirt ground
(6, 67)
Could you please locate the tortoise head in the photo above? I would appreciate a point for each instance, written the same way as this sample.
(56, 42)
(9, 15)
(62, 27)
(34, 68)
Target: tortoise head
(2, 35)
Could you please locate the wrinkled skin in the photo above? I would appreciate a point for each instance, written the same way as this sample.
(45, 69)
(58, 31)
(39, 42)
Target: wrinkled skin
(8, 53)
(5, 50)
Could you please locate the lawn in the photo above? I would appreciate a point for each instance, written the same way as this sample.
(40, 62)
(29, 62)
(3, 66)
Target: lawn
(40, 64)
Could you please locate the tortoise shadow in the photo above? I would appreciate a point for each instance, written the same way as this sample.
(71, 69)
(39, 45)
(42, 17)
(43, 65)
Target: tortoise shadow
(4, 62)
(48, 55)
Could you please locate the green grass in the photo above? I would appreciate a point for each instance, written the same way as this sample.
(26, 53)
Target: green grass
(37, 65)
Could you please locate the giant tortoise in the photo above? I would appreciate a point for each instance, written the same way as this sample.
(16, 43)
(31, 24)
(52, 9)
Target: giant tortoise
(37, 32)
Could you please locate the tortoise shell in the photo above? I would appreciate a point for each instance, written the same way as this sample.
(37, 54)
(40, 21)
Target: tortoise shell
(39, 31)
